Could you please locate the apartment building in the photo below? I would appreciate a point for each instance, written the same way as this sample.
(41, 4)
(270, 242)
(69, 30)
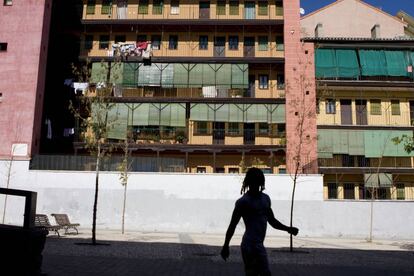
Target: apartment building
(365, 83)
(201, 82)
(24, 34)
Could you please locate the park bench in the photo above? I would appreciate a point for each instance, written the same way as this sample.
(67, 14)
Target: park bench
(42, 221)
(63, 220)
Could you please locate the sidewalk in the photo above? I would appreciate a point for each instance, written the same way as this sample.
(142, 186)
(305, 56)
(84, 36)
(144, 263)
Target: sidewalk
(137, 253)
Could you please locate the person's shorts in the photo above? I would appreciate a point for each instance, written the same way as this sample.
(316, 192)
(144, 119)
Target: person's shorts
(255, 259)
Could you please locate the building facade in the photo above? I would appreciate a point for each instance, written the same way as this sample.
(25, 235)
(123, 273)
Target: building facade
(22, 76)
(365, 80)
(202, 82)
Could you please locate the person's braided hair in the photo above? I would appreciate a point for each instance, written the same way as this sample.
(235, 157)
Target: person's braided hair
(253, 181)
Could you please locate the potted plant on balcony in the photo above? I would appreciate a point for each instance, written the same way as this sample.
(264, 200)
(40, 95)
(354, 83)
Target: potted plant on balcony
(180, 137)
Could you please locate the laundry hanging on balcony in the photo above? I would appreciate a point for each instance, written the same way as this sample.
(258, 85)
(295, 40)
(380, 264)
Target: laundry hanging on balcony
(125, 49)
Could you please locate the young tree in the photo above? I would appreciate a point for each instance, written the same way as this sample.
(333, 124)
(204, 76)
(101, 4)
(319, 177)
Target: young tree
(302, 117)
(124, 169)
(93, 114)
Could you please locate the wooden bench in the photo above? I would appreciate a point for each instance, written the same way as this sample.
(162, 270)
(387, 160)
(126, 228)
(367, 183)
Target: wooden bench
(63, 221)
(42, 221)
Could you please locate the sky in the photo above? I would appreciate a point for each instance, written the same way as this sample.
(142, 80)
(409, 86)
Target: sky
(390, 6)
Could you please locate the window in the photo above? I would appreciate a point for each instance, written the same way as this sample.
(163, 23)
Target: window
(221, 8)
(233, 42)
(3, 46)
(330, 107)
(266, 170)
(106, 7)
(317, 106)
(103, 42)
(234, 170)
(400, 191)
(278, 130)
(173, 42)
(282, 171)
(263, 129)
(8, 3)
(375, 107)
(156, 42)
(88, 42)
(349, 191)
(279, 8)
(220, 170)
(141, 38)
(157, 6)
(201, 128)
(120, 38)
(203, 42)
(263, 43)
(234, 7)
(362, 161)
(263, 8)
(143, 7)
(233, 129)
(280, 81)
(201, 170)
(395, 107)
(279, 43)
(347, 160)
(263, 81)
(175, 7)
(90, 7)
(332, 191)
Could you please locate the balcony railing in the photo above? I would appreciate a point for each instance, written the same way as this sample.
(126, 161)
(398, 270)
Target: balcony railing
(347, 161)
(183, 12)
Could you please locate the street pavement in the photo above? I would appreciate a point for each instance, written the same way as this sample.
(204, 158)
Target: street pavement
(139, 253)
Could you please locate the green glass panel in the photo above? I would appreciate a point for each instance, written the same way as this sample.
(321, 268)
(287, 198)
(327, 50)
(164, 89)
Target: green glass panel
(222, 112)
(373, 62)
(223, 75)
(165, 110)
(278, 115)
(116, 73)
(209, 74)
(117, 122)
(195, 75)
(154, 114)
(181, 74)
(256, 113)
(150, 75)
(167, 75)
(377, 180)
(130, 74)
(356, 142)
(325, 143)
(340, 141)
(325, 60)
(378, 143)
(201, 112)
(347, 61)
(239, 76)
(178, 115)
(140, 115)
(236, 113)
(396, 63)
(99, 72)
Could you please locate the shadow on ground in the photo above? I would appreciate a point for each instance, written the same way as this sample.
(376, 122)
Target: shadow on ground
(64, 257)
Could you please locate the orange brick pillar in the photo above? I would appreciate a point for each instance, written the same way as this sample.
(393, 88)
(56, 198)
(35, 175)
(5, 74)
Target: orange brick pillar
(301, 132)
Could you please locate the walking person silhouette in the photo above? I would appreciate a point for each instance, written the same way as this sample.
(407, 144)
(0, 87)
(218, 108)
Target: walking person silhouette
(254, 207)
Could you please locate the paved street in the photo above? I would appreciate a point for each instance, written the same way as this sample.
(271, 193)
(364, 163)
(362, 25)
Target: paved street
(138, 253)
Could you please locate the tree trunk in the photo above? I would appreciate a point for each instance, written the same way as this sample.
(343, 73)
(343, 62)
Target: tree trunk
(291, 211)
(9, 170)
(123, 209)
(95, 203)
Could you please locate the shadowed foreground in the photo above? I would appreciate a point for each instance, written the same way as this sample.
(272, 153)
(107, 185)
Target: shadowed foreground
(186, 254)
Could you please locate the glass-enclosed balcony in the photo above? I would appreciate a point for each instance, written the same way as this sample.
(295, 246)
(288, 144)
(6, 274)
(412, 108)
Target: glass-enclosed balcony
(182, 10)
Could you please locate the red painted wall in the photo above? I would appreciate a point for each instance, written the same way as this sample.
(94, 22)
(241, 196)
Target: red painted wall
(300, 95)
(25, 27)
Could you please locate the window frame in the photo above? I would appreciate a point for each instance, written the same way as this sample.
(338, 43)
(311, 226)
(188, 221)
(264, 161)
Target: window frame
(330, 106)
(117, 38)
(3, 46)
(201, 40)
(143, 7)
(349, 190)
(173, 42)
(332, 187)
(201, 131)
(221, 9)
(280, 43)
(88, 42)
(233, 170)
(233, 129)
(90, 7)
(263, 42)
(8, 3)
(263, 85)
(175, 7)
(263, 8)
(263, 131)
(102, 41)
(395, 107)
(157, 7)
(234, 7)
(158, 39)
(233, 42)
(375, 107)
(106, 7)
(400, 189)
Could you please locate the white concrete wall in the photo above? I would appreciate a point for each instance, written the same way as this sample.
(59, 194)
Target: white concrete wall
(351, 18)
(199, 203)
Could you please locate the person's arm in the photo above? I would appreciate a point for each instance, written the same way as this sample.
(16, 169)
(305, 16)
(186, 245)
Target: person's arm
(235, 218)
(278, 225)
